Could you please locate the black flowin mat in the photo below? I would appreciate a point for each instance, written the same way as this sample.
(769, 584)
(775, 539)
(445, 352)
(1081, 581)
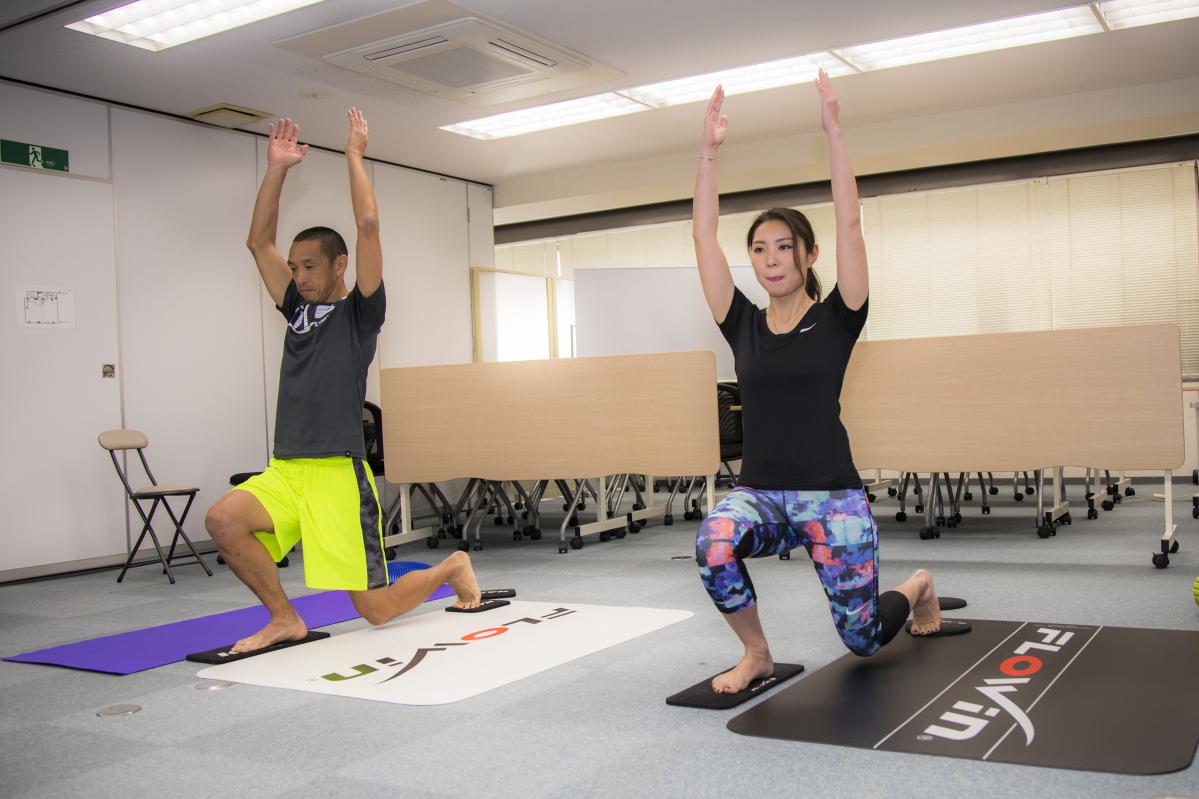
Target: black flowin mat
(1110, 699)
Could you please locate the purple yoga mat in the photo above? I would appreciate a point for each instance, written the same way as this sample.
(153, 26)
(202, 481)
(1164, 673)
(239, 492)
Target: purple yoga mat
(127, 653)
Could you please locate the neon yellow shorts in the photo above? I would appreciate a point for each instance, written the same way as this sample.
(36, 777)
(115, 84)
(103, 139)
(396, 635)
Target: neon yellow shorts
(333, 505)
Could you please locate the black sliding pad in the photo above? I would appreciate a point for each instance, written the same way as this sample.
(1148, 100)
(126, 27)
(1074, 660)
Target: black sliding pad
(222, 654)
(702, 695)
(490, 604)
(1112, 699)
(498, 593)
(951, 603)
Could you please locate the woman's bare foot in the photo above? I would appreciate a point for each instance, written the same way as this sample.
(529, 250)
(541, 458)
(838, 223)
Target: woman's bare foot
(288, 629)
(751, 667)
(926, 611)
(462, 580)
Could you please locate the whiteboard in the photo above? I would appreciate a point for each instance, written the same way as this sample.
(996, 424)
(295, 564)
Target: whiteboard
(630, 311)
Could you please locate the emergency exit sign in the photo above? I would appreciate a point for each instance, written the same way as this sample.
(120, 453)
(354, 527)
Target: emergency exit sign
(33, 155)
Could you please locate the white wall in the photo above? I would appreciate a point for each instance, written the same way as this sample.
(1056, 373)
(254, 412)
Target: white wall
(60, 494)
(189, 315)
(150, 236)
(426, 255)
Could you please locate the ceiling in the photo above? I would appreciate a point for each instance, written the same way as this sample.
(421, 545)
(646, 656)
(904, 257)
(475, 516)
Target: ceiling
(646, 42)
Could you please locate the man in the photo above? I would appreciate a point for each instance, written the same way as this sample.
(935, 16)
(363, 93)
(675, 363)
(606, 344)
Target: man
(317, 485)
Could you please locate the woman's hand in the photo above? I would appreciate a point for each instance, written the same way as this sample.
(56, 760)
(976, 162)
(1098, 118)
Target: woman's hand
(716, 125)
(830, 107)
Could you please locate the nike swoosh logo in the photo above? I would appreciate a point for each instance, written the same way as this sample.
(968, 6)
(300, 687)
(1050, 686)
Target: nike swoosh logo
(856, 612)
(806, 329)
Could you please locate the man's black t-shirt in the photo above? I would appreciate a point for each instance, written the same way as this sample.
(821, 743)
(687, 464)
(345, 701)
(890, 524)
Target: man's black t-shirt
(322, 379)
(791, 395)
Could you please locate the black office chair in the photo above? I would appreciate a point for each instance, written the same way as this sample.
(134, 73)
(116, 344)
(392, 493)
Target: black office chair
(731, 438)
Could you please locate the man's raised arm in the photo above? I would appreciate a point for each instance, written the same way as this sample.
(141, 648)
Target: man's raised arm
(368, 251)
(282, 154)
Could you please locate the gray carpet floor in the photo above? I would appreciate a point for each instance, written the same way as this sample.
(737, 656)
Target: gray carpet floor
(597, 726)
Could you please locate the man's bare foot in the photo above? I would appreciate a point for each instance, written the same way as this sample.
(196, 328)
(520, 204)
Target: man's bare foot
(462, 580)
(926, 613)
(291, 629)
(751, 667)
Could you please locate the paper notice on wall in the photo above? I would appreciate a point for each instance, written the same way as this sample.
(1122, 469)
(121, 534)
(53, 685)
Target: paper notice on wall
(45, 306)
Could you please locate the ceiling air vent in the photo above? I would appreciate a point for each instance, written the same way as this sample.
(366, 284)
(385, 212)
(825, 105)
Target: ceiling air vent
(443, 50)
(458, 60)
(227, 116)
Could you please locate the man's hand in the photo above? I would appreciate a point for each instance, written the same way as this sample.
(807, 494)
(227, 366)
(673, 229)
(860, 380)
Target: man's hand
(356, 140)
(282, 149)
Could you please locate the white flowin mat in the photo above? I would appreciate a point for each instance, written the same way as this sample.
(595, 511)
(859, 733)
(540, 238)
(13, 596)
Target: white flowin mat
(437, 657)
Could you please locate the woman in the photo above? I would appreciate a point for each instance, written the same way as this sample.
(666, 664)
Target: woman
(799, 483)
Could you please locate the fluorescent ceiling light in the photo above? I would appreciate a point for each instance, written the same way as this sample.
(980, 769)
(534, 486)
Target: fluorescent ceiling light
(1050, 26)
(159, 24)
(786, 72)
(1131, 13)
(555, 115)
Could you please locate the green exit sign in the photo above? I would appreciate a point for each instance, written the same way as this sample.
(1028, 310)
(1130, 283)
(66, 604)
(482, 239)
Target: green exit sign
(33, 155)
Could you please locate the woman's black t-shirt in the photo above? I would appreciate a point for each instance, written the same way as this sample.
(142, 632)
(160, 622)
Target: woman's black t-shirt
(791, 395)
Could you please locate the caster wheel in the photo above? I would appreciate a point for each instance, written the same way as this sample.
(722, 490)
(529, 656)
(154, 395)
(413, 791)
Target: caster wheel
(957, 518)
(220, 560)
(1092, 513)
(510, 521)
(668, 519)
(524, 514)
(1068, 519)
(919, 509)
(561, 550)
(477, 548)
(940, 521)
(463, 546)
(1107, 504)
(871, 498)
(1173, 547)
(605, 537)
(1018, 497)
(688, 515)
(784, 556)
(1117, 498)
(1161, 560)
(390, 552)
(1130, 492)
(518, 504)
(565, 508)
(432, 543)
(926, 533)
(901, 517)
(576, 542)
(634, 527)
(969, 496)
(535, 534)
(620, 534)
(892, 492)
(1195, 513)
(993, 491)
(516, 536)
(283, 564)
(499, 521)
(918, 490)
(986, 510)
(1044, 532)
(638, 506)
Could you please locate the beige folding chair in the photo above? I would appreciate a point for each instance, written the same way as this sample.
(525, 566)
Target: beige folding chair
(122, 440)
